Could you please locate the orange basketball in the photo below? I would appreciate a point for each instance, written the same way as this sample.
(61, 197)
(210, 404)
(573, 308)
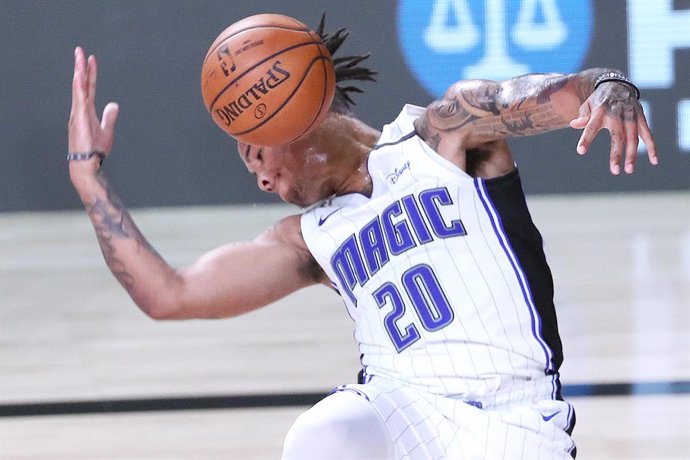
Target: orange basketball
(267, 80)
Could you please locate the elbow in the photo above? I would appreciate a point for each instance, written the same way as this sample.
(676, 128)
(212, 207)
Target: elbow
(169, 313)
(161, 314)
(164, 301)
(161, 310)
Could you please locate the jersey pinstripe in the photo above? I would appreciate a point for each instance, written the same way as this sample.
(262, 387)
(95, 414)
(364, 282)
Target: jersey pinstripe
(443, 274)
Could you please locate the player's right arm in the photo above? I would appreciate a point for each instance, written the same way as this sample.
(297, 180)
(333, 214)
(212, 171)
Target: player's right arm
(225, 282)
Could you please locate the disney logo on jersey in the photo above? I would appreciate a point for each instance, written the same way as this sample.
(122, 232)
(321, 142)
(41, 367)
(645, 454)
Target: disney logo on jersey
(397, 172)
(444, 41)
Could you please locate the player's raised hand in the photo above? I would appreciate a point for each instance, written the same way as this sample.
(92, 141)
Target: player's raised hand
(88, 134)
(614, 106)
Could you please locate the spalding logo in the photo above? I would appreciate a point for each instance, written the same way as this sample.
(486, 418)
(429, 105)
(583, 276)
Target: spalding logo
(232, 110)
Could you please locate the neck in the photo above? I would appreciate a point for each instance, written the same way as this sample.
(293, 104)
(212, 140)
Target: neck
(352, 152)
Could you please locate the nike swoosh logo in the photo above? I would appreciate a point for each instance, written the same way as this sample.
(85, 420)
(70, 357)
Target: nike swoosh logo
(322, 219)
(549, 417)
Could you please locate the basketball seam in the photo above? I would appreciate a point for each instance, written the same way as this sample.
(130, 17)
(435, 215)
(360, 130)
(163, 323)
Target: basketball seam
(325, 89)
(280, 107)
(268, 58)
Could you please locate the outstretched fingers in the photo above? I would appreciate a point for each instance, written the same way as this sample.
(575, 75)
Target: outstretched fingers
(84, 85)
(636, 128)
(78, 90)
(632, 141)
(86, 131)
(624, 140)
(105, 142)
(109, 116)
(79, 133)
(646, 134)
(91, 74)
(592, 127)
(580, 122)
(623, 116)
(617, 145)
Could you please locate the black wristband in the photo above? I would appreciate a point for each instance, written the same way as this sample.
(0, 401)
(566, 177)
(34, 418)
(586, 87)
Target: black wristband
(615, 76)
(86, 156)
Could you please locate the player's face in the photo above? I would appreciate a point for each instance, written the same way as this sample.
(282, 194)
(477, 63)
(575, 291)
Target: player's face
(298, 172)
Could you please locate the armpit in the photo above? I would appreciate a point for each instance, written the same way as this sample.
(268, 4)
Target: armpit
(289, 231)
(312, 270)
(492, 159)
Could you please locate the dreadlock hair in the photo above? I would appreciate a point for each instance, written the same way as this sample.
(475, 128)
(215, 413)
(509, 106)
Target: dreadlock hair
(347, 68)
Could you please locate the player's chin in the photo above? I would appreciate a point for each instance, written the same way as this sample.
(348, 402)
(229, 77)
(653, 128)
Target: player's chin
(297, 197)
(292, 197)
(302, 203)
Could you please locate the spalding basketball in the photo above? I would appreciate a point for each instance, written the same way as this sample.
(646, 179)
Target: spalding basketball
(267, 80)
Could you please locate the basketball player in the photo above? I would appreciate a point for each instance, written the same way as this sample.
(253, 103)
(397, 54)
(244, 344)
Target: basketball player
(423, 231)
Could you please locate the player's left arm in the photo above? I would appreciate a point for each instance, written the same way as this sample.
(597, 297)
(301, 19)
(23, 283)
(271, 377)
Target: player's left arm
(474, 113)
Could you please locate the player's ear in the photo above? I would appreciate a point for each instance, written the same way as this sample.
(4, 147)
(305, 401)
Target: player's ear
(242, 149)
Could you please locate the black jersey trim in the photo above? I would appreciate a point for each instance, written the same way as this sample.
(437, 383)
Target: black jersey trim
(499, 228)
(508, 199)
(402, 139)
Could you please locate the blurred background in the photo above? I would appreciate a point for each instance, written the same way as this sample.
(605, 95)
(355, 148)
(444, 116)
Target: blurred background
(83, 374)
(169, 153)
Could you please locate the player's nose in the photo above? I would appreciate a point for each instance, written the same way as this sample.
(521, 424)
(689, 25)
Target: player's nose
(265, 181)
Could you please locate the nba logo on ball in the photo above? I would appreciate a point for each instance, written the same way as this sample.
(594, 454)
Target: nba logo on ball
(444, 41)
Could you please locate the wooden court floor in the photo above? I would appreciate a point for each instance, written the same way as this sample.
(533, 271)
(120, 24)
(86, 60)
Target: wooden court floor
(69, 333)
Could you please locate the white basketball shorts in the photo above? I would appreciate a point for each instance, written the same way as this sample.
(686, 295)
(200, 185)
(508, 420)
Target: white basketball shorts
(426, 426)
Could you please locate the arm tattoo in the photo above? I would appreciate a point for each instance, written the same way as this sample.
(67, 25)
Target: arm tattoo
(550, 87)
(618, 104)
(486, 101)
(626, 114)
(112, 221)
(541, 119)
(618, 100)
(430, 136)
(520, 125)
(519, 107)
(485, 111)
(451, 115)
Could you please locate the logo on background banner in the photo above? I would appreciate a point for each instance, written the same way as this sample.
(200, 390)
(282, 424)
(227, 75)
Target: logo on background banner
(444, 41)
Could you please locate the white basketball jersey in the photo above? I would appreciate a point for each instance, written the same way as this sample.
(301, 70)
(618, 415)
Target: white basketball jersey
(443, 274)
